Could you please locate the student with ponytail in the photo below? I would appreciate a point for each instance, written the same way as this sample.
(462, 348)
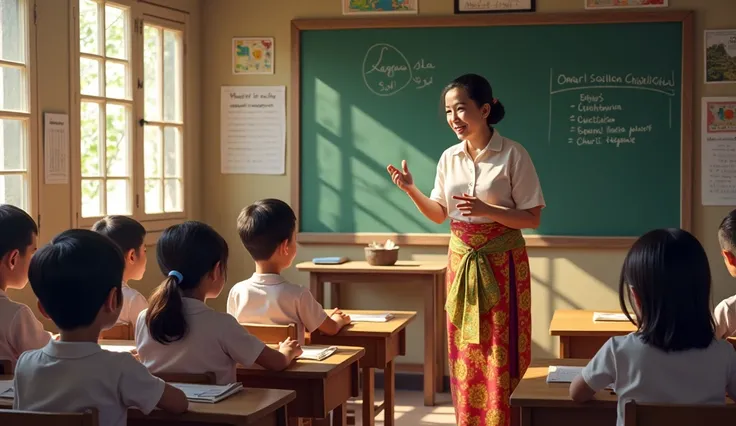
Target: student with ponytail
(179, 333)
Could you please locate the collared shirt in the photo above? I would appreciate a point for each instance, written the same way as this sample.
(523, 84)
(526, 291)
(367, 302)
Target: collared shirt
(74, 376)
(270, 299)
(20, 330)
(215, 342)
(133, 304)
(725, 318)
(502, 174)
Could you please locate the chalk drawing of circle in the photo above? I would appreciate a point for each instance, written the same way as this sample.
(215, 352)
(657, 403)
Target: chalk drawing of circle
(406, 61)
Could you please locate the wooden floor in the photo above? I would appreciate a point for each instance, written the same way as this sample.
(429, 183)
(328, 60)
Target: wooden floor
(410, 410)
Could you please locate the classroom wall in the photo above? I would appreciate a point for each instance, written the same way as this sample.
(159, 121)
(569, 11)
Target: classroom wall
(53, 94)
(584, 279)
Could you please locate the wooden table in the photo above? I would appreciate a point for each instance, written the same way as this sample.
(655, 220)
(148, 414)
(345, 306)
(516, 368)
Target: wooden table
(321, 386)
(382, 341)
(430, 274)
(548, 404)
(249, 407)
(580, 337)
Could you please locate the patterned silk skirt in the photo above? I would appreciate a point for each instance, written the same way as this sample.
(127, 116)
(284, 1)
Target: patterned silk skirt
(483, 374)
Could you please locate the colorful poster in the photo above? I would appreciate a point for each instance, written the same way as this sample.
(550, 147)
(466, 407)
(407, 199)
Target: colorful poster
(720, 56)
(253, 55)
(721, 116)
(618, 4)
(718, 152)
(350, 7)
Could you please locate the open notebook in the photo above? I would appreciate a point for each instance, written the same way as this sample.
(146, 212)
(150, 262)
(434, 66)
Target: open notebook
(384, 317)
(208, 393)
(6, 389)
(565, 374)
(607, 316)
(317, 353)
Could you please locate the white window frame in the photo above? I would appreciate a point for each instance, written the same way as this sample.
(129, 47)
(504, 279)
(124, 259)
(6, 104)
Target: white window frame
(139, 14)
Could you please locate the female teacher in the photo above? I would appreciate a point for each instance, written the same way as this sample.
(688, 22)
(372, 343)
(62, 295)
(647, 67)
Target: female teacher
(489, 188)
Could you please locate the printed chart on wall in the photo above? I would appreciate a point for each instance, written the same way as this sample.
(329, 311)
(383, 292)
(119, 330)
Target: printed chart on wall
(719, 152)
(253, 130)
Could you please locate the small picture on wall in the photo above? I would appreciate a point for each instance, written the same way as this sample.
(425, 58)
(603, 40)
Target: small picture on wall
(253, 55)
(621, 4)
(383, 7)
(720, 56)
(494, 6)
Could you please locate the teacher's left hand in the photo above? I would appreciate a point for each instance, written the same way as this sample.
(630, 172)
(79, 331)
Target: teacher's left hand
(472, 206)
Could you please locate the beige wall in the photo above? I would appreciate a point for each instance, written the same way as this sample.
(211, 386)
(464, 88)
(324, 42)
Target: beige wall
(561, 278)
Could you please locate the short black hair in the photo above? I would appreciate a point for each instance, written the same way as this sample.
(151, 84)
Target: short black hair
(727, 232)
(17, 229)
(264, 225)
(669, 272)
(126, 232)
(72, 276)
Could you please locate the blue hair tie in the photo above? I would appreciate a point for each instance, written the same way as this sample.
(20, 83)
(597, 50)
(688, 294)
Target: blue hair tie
(176, 274)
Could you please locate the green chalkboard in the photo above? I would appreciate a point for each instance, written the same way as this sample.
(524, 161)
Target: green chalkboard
(598, 107)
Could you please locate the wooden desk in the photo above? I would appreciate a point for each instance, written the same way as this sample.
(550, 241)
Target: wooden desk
(580, 337)
(321, 386)
(249, 407)
(430, 274)
(382, 341)
(548, 404)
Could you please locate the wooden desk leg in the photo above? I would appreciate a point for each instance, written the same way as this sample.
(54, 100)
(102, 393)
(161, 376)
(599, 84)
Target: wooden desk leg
(335, 295)
(282, 418)
(430, 342)
(369, 399)
(564, 347)
(526, 416)
(340, 415)
(389, 386)
(317, 287)
(441, 342)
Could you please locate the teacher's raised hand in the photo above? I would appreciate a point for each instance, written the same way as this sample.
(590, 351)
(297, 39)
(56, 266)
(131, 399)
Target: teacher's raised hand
(472, 206)
(402, 178)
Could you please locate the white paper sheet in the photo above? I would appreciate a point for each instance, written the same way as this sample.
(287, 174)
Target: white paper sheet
(253, 130)
(718, 145)
(371, 317)
(208, 393)
(56, 148)
(317, 353)
(562, 374)
(607, 316)
(6, 389)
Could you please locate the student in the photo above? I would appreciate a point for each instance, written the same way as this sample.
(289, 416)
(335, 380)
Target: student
(129, 235)
(673, 357)
(20, 330)
(179, 333)
(725, 312)
(77, 279)
(268, 231)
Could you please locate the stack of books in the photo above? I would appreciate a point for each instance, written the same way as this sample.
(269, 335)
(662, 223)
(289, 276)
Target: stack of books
(317, 353)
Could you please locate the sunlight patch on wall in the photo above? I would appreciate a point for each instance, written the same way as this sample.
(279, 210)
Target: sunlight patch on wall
(327, 107)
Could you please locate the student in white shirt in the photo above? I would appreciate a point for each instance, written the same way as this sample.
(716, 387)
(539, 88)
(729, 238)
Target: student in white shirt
(725, 312)
(179, 333)
(129, 235)
(673, 357)
(267, 229)
(77, 279)
(20, 330)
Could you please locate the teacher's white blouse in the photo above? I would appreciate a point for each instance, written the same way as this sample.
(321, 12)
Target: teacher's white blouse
(502, 174)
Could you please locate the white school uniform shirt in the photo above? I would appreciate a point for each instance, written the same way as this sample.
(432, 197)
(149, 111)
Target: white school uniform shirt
(643, 373)
(214, 343)
(725, 317)
(20, 330)
(74, 376)
(270, 299)
(502, 174)
(133, 304)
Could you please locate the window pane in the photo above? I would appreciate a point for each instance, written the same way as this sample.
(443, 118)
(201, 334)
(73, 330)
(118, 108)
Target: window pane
(90, 138)
(14, 89)
(173, 195)
(115, 40)
(13, 190)
(153, 196)
(12, 28)
(89, 37)
(152, 151)
(116, 149)
(172, 152)
(116, 76)
(89, 75)
(172, 76)
(91, 198)
(12, 144)
(117, 197)
(151, 72)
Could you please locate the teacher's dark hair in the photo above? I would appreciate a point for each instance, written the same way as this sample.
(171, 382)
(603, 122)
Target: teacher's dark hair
(669, 272)
(481, 92)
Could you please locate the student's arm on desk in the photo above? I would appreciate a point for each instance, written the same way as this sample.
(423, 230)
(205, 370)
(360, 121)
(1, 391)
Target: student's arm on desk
(278, 360)
(580, 391)
(173, 400)
(334, 323)
(599, 373)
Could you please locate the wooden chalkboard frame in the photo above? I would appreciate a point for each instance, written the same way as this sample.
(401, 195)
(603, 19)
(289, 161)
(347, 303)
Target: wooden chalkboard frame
(577, 18)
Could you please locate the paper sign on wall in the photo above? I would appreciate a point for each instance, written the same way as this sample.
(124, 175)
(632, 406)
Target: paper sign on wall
(56, 148)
